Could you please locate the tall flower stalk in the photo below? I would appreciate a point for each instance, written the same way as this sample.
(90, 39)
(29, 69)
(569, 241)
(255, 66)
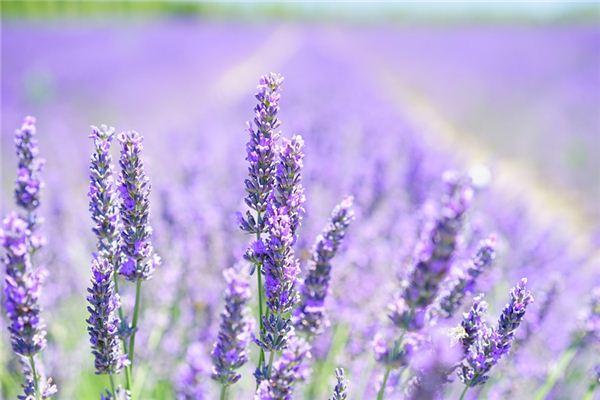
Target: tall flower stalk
(485, 346)
(29, 181)
(23, 282)
(310, 316)
(235, 331)
(463, 282)
(434, 255)
(137, 259)
(261, 156)
(103, 298)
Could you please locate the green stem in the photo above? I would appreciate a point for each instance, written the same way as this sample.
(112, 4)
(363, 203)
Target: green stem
(464, 392)
(36, 378)
(112, 385)
(134, 322)
(261, 357)
(558, 370)
(223, 395)
(261, 360)
(381, 392)
(589, 394)
(271, 358)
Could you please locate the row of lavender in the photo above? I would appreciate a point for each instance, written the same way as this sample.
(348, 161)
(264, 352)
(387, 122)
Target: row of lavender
(435, 279)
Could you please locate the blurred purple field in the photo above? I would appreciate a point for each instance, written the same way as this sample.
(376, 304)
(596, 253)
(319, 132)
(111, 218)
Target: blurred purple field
(385, 112)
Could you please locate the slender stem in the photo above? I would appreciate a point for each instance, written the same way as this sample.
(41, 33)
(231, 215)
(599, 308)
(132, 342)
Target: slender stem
(464, 392)
(381, 392)
(557, 371)
(223, 395)
(36, 378)
(134, 322)
(261, 359)
(589, 394)
(271, 357)
(112, 385)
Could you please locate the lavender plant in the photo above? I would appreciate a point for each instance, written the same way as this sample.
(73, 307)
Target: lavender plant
(463, 282)
(485, 346)
(29, 181)
(261, 155)
(23, 282)
(310, 316)
(229, 352)
(434, 256)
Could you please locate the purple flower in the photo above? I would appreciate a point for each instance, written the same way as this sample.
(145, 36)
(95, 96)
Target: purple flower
(281, 271)
(22, 288)
(103, 197)
(229, 352)
(463, 282)
(473, 323)
(288, 193)
(261, 152)
(103, 322)
(340, 391)
(29, 182)
(138, 260)
(434, 255)
(310, 316)
(286, 370)
(485, 346)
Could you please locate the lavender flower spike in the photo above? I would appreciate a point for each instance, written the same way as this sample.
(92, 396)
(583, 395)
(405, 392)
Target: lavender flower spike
(286, 371)
(485, 346)
(261, 152)
(138, 261)
(229, 352)
(29, 182)
(340, 391)
(103, 322)
(281, 271)
(288, 193)
(452, 296)
(22, 288)
(434, 255)
(310, 316)
(103, 197)
(511, 317)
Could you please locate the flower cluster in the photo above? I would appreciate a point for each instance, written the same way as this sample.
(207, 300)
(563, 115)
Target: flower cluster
(310, 316)
(287, 370)
(29, 182)
(229, 351)
(288, 193)
(281, 269)
(463, 282)
(434, 255)
(103, 322)
(102, 194)
(22, 289)
(138, 258)
(485, 346)
(340, 391)
(261, 152)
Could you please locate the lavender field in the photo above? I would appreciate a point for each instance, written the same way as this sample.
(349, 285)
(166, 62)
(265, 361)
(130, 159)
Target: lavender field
(222, 208)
